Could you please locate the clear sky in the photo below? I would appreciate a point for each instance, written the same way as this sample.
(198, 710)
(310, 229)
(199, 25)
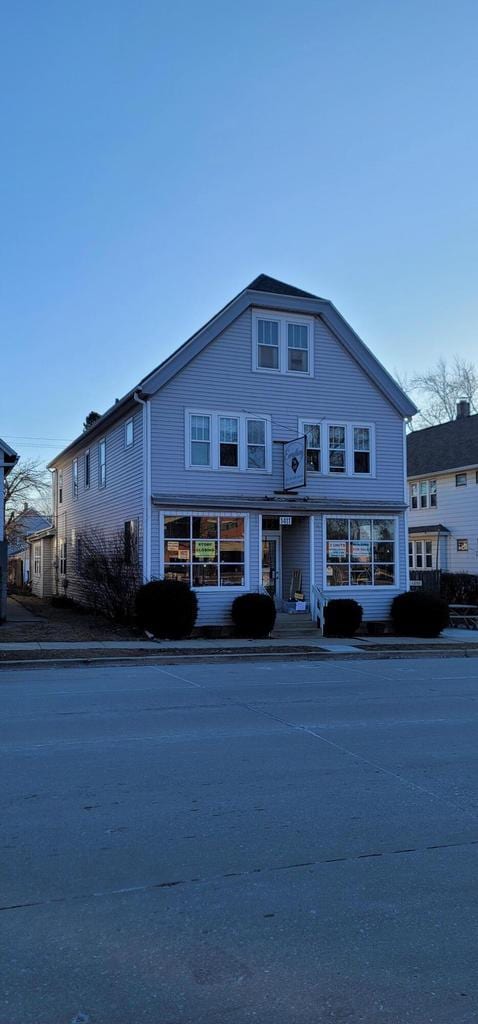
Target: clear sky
(157, 156)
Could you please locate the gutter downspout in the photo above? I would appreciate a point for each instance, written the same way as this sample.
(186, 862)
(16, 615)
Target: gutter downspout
(147, 509)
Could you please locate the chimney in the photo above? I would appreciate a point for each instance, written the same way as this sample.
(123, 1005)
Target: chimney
(462, 409)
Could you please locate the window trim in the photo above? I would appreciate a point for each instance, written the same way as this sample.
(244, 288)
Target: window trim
(312, 421)
(464, 550)
(87, 463)
(350, 426)
(283, 319)
(101, 485)
(60, 486)
(215, 415)
(412, 555)
(418, 484)
(74, 479)
(463, 483)
(37, 558)
(127, 422)
(365, 587)
(224, 513)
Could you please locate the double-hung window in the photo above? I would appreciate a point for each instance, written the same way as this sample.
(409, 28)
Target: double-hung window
(37, 559)
(74, 478)
(87, 468)
(283, 343)
(312, 433)
(361, 450)
(60, 486)
(200, 440)
(423, 494)
(298, 348)
(337, 449)
(63, 550)
(414, 495)
(432, 485)
(268, 344)
(129, 432)
(218, 441)
(256, 444)
(228, 441)
(102, 463)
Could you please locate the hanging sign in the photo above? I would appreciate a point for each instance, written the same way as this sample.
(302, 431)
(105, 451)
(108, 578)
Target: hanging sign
(294, 463)
(205, 550)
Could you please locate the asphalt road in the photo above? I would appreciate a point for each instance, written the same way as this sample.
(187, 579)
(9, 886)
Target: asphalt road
(280, 843)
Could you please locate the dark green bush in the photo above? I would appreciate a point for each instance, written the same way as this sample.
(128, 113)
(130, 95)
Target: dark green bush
(419, 614)
(167, 608)
(342, 617)
(253, 615)
(459, 587)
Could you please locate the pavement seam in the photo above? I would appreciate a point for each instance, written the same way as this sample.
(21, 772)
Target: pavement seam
(177, 882)
(337, 746)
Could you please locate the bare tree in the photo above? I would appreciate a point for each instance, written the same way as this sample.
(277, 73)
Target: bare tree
(108, 567)
(28, 482)
(438, 389)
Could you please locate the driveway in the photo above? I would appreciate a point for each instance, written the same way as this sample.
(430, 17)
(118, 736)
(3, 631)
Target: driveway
(201, 844)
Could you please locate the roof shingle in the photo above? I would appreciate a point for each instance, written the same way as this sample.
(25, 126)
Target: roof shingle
(448, 446)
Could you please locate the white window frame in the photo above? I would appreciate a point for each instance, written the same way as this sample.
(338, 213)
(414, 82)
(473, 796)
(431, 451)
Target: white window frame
(214, 417)
(422, 544)
(37, 558)
(365, 587)
(215, 513)
(101, 484)
(60, 486)
(74, 479)
(128, 422)
(423, 484)
(283, 320)
(349, 426)
(312, 421)
(87, 462)
(462, 483)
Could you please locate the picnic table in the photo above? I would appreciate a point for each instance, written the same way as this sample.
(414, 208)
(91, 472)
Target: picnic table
(464, 616)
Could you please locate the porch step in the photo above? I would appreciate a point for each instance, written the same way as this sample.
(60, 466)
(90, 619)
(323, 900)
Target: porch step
(296, 625)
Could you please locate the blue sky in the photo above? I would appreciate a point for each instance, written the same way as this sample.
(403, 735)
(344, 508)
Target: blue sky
(157, 157)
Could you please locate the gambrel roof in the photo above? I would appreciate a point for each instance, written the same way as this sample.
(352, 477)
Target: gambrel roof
(267, 293)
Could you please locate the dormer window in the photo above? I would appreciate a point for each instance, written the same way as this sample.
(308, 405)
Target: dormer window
(282, 343)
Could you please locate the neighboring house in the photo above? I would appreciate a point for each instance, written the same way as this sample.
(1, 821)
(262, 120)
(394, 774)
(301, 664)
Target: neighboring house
(27, 521)
(190, 462)
(8, 459)
(443, 494)
(41, 547)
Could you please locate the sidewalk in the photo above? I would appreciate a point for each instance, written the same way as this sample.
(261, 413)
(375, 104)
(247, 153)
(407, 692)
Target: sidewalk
(451, 641)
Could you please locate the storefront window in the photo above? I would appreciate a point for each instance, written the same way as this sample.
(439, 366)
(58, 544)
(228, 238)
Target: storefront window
(204, 551)
(360, 552)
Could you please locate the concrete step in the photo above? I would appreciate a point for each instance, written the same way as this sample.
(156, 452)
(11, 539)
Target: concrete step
(294, 625)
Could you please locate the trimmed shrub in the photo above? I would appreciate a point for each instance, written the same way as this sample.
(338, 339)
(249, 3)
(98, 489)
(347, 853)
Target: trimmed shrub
(167, 608)
(342, 617)
(419, 614)
(253, 615)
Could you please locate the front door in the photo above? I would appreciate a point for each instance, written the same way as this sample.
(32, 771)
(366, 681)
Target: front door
(271, 565)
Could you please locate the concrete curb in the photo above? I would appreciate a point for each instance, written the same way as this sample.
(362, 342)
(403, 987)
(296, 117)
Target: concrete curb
(182, 659)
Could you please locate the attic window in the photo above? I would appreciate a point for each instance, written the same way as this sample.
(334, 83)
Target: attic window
(282, 344)
(461, 480)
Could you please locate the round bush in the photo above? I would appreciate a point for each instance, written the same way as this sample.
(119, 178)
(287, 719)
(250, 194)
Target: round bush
(342, 617)
(417, 614)
(167, 608)
(253, 615)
